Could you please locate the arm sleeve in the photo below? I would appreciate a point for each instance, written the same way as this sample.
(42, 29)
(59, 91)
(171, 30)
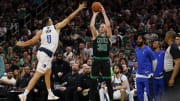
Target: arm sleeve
(175, 52)
(153, 58)
(151, 54)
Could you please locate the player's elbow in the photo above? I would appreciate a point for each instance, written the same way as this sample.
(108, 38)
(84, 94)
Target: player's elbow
(177, 62)
(108, 25)
(91, 25)
(32, 42)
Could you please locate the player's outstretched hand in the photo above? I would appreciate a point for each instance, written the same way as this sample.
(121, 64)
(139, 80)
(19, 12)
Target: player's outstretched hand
(18, 43)
(102, 9)
(83, 5)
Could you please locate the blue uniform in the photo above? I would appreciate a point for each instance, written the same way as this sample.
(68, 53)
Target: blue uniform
(158, 81)
(144, 56)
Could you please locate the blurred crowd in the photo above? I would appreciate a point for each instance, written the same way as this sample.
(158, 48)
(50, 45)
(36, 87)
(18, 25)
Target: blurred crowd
(73, 58)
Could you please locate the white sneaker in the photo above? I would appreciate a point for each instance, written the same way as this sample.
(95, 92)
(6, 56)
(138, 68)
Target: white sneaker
(22, 97)
(52, 97)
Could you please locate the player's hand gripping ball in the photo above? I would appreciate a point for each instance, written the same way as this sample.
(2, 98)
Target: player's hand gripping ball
(96, 6)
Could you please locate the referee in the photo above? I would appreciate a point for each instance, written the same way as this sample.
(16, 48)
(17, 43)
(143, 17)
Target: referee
(171, 67)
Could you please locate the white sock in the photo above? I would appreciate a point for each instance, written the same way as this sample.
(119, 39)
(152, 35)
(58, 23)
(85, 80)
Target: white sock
(26, 92)
(50, 92)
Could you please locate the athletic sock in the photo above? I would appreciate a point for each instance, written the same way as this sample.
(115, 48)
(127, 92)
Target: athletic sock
(26, 92)
(50, 92)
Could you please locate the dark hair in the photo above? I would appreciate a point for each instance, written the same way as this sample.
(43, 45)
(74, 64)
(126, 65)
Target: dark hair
(142, 36)
(119, 66)
(124, 60)
(45, 21)
(178, 35)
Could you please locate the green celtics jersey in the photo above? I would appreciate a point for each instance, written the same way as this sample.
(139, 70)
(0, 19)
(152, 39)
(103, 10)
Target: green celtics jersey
(101, 46)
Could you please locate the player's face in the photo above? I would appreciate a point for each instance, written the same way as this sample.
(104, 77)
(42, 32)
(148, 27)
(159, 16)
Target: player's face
(155, 44)
(102, 28)
(177, 40)
(139, 41)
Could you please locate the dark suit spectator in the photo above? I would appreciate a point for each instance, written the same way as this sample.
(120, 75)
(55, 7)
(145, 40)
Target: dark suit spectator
(83, 87)
(71, 79)
(23, 80)
(60, 68)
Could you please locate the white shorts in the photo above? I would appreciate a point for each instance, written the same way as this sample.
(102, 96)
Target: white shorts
(117, 95)
(44, 62)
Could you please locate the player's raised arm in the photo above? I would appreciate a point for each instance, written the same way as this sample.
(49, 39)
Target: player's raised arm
(92, 25)
(62, 24)
(32, 41)
(107, 22)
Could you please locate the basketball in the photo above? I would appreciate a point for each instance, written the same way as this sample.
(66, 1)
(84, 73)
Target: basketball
(96, 6)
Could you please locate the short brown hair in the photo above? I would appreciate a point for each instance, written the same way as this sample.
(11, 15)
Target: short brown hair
(171, 35)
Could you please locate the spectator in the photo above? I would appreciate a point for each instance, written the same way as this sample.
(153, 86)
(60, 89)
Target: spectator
(117, 38)
(71, 79)
(22, 82)
(88, 49)
(68, 54)
(3, 31)
(89, 62)
(10, 53)
(33, 66)
(14, 64)
(83, 85)
(8, 79)
(60, 68)
(7, 67)
(120, 84)
(114, 49)
(2, 64)
(116, 60)
(151, 35)
(131, 60)
(82, 50)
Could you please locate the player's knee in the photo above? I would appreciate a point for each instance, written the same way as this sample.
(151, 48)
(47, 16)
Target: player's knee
(123, 91)
(48, 71)
(37, 75)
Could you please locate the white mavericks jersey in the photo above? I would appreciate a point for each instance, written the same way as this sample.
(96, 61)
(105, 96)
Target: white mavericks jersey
(49, 38)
